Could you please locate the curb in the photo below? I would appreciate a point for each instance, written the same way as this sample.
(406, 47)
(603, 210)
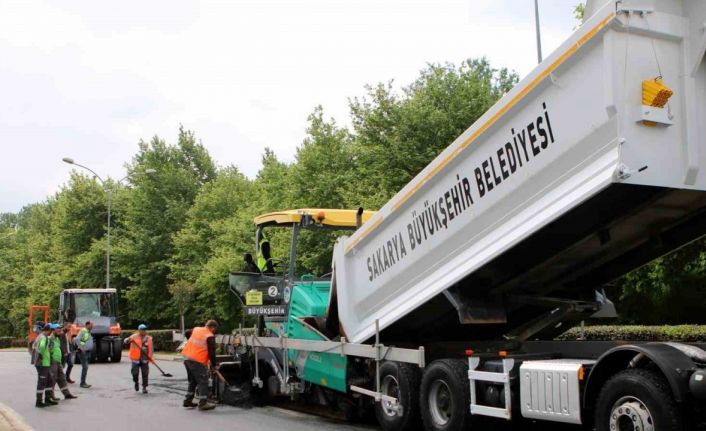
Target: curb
(176, 358)
(10, 420)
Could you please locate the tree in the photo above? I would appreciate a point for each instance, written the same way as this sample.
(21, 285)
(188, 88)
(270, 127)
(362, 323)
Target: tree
(217, 231)
(396, 136)
(154, 210)
(182, 293)
(580, 12)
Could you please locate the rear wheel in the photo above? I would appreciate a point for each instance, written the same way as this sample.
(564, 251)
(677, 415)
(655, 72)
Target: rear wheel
(445, 396)
(637, 399)
(117, 355)
(102, 350)
(400, 381)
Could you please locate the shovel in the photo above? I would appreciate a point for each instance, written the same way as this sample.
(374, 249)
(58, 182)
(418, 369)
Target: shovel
(231, 395)
(152, 360)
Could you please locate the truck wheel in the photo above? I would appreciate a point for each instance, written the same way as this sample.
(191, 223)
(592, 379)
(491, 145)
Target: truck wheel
(445, 396)
(102, 351)
(261, 396)
(402, 382)
(637, 399)
(117, 355)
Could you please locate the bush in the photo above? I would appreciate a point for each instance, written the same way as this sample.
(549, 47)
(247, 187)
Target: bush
(684, 333)
(162, 339)
(19, 342)
(6, 342)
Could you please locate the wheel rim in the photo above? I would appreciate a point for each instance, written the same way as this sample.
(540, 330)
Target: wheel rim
(440, 402)
(630, 414)
(389, 386)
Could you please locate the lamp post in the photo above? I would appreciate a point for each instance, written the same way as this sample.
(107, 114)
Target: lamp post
(109, 191)
(539, 37)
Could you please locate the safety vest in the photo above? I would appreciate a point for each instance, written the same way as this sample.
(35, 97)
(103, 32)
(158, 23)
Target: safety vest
(41, 356)
(261, 261)
(55, 349)
(196, 348)
(136, 347)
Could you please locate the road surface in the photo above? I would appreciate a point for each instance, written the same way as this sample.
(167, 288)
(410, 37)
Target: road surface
(113, 405)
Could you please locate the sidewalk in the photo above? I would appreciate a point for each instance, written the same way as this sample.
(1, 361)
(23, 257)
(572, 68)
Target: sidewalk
(11, 421)
(168, 356)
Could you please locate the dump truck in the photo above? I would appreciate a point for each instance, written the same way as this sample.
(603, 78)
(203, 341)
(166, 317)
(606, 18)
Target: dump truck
(443, 307)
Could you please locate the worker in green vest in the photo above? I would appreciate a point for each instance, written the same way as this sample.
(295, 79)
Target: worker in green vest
(84, 345)
(264, 257)
(41, 359)
(57, 367)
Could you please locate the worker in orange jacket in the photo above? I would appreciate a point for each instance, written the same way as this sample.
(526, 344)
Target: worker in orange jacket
(199, 356)
(141, 350)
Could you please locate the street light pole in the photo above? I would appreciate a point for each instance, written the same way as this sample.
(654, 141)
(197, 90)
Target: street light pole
(107, 251)
(109, 191)
(539, 37)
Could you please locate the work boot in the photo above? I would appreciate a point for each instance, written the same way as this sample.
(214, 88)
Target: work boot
(68, 380)
(206, 405)
(144, 390)
(68, 395)
(137, 387)
(48, 401)
(39, 402)
(189, 403)
(53, 397)
(85, 385)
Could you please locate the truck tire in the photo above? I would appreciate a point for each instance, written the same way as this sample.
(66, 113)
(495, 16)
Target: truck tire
(637, 399)
(261, 396)
(102, 350)
(402, 382)
(444, 396)
(117, 355)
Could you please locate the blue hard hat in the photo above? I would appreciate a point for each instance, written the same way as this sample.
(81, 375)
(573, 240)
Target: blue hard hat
(53, 326)
(142, 326)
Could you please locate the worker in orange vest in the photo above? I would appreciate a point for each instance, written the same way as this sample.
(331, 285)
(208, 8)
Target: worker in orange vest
(199, 355)
(141, 350)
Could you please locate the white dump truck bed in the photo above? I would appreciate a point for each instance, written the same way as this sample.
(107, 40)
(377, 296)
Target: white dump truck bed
(560, 187)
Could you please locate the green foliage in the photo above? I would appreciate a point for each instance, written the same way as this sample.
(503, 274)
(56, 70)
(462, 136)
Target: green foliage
(7, 342)
(151, 213)
(580, 12)
(396, 136)
(669, 290)
(683, 333)
(161, 338)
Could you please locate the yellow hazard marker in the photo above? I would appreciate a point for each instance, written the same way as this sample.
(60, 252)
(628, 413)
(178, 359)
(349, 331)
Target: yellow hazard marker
(656, 95)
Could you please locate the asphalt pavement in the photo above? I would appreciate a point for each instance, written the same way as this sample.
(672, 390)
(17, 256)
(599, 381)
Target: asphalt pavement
(113, 405)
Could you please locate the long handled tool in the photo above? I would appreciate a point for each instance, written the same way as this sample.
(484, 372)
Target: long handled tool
(149, 358)
(232, 395)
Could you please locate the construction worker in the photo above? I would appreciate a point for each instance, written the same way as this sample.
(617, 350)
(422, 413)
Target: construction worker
(41, 358)
(57, 367)
(264, 258)
(141, 350)
(67, 351)
(84, 345)
(200, 356)
(249, 265)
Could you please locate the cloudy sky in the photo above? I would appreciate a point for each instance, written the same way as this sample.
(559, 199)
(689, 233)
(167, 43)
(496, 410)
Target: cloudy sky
(89, 79)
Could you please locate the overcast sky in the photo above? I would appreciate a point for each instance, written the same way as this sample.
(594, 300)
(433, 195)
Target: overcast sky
(89, 79)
